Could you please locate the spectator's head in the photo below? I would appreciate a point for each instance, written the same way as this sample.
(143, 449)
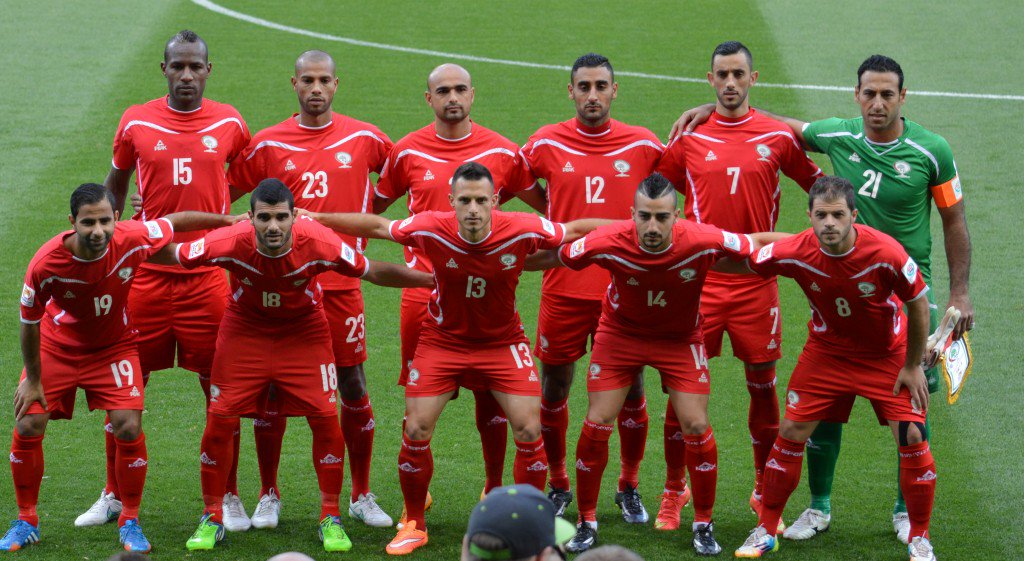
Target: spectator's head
(515, 523)
(291, 556)
(609, 553)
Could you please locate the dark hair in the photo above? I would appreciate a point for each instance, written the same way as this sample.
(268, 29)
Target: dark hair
(185, 36)
(486, 542)
(272, 192)
(656, 186)
(832, 188)
(880, 63)
(591, 60)
(472, 171)
(128, 556)
(730, 48)
(90, 194)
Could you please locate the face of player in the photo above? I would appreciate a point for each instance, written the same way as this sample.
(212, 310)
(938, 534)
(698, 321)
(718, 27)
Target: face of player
(94, 226)
(450, 94)
(186, 70)
(880, 99)
(654, 220)
(273, 225)
(473, 202)
(833, 225)
(592, 90)
(315, 84)
(731, 76)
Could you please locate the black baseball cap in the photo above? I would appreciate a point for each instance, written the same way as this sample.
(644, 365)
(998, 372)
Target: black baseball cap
(523, 517)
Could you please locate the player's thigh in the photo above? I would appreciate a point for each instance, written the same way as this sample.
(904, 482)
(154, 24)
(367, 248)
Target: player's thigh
(714, 312)
(615, 362)
(437, 368)
(506, 369)
(59, 375)
(112, 378)
(818, 389)
(303, 372)
(754, 324)
(345, 315)
(412, 314)
(241, 371)
(149, 301)
(875, 379)
(422, 413)
(564, 326)
(199, 303)
(691, 409)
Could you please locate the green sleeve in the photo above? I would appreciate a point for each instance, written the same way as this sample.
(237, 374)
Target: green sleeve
(945, 168)
(814, 130)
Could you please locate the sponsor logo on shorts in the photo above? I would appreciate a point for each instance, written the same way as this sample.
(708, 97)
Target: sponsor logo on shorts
(792, 398)
(135, 392)
(332, 399)
(928, 476)
(537, 466)
(703, 378)
(508, 260)
(577, 247)
(774, 465)
(533, 377)
(765, 253)
(196, 248)
(210, 143)
(910, 270)
(204, 459)
(731, 241)
(28, 296)
(409, 468)
(595, 371)
(707, 466)
(772, 345)
(359, 348)
(687, 275)
(139, 462)
(125, 274)
(330, 459)
(866, 289)
(154, 230)
(15, 459)
(581, 466)
(621, 166)
(902, 169)
(344, 158)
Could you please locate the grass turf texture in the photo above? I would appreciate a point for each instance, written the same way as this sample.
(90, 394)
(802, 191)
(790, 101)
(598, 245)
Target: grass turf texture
(72, 68)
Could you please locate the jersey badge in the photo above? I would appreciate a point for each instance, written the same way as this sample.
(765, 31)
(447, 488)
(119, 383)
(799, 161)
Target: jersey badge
(621, 166)
(345, 159)
(299, 282)
(125, 274)
(452, 264)
(765, 253)
(548, 226)
(28, 296)
(289, 166)
(910, 270)
(633, 282)
(69, 295)
(348, 254)
(210, 143)
(595, 371)
(902, 169)
(792, 398)
(577, 247)
(567, 168)
(687, 275)
(429, 176)
(866, 289)
(159, 146)
(196, 248)
(764, 151)
(710, 157)
(155, 233)
(508, 260)
(731, 241)
(854, 158)
(814, 286)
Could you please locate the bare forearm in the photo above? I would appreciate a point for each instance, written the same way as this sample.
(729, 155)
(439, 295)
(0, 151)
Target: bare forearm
(168, 255)
(917, 330)
(358, 224)
(380, 204)
(30, 351)
(796, 124)
(578, 228)
(958, 255)
(383, 273)
(195, 220)
(765, 238)
(542, 260)
(535, 197)
(117, 183)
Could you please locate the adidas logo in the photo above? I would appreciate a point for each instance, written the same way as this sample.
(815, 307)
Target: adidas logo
(289, 166)
(429, 176)
(774, 465)
(631, 424)
(815, 287)
(567, 168)
(204, 459)
(331, 459)
(409, 468)
(15, 459)
(854, 158)
(452, 264)
(772, 345)
(707, 466)
(710, 157)
(928, 476)
(138, 463)
(537, 466)
(135, 392)
(581, 466)
(633, 282)
(497, 420)
(160, 145)
(369, 426)
(703, 378)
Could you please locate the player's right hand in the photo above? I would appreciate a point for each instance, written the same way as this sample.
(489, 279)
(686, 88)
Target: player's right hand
(913, 378)
(690, 119)
(27, 394)
(136, 200)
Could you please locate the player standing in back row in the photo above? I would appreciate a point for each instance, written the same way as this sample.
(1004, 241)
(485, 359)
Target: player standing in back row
(592, 165)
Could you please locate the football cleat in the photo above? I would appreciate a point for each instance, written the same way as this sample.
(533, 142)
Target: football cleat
(268, 511)
(755, 507)
(901, 525)
(405, 516)
(633, 510)
(585, 538)
(105, 509)
(206, 535)
(235, 519)
(132, 537)
(407, 540)
(920, 549)
(758, 543)
(332, 533)
(19, 535)
(369, 512)
(810, 523)
(668, 512)
(561, 498)
(704, 542)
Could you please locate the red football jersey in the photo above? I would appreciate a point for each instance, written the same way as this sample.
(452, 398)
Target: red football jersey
(474, 296)
(857, 298)
(655, 295)
(282, 287)
(85, 302)
(590, 173)
(327, 169)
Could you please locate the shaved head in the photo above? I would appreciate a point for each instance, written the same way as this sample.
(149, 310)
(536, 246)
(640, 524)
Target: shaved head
(448, 71)
(313, 57)
(291, 556)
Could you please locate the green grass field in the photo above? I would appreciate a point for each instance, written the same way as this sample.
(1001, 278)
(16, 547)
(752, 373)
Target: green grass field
(71, 69)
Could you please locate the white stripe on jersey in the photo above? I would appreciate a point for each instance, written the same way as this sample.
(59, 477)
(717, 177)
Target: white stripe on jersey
(150, 125)
(805, 266)
(620, 260)
(221, 122)
(556, 144)
(872, 268)
(355, 135)
(514, 240)
(126, 256)
(505, 151)
(704, 137)
(411, 152)
(309, 264)
(776, 133)
(926, 153)
(438, 238)
(275, 144)
(657, 146)
(692, 257)
(237, 262)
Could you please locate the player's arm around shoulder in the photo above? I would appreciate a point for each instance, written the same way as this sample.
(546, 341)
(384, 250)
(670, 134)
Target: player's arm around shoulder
(384, 273)
(576, 229)
(358, 224)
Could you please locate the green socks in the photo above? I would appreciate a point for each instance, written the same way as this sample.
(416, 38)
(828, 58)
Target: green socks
(822, 455)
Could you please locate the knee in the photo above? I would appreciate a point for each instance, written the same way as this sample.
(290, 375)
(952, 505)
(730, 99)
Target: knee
(636, 391)
(352, 382)
(694, 426)
(127, 427)
(529, 432)
(31, 425)
(793, 431)
(556, 381)
(602, 417)
(417, 429)
(912, 432)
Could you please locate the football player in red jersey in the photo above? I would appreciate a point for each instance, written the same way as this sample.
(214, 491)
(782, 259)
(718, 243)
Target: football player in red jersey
(420, 165)
(177, 146)
(729, 170)
(76, 333)
(860, 343)
(275, 332)
(592, 165)
(478, 254)
(325, 159)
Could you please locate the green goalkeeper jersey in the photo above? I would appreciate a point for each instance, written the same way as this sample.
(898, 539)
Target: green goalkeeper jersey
(895, 182)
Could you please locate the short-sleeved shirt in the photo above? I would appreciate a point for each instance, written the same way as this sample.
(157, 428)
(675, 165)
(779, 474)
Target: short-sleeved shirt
(590, 173)
(474, 296)
(896, 182)
(655, 295)
(856, 298)
(326, 168)
(83, 304)
(281, 287)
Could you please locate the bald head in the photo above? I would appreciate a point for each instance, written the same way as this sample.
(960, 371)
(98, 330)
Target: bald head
(450, 95)
(291, 556)
(313, 58)
(448, 72)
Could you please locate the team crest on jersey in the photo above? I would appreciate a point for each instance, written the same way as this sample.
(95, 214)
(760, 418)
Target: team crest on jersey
(910, 270)
(621, 166)
(28, 296)
(567, 168)
(155, 233)
(792, 398)
(577, 247)
(866, 289)
(344, 158)
(210, 143)
(595, 371)
(508, 260)
(196, 248)
(159, 146)
(348, 254)
(429, 176)
(687, 275)
(731, 241)
(289, 166)
(125, 274)
(765, 253)
(902, 169)
(764, 151)
(854, 158)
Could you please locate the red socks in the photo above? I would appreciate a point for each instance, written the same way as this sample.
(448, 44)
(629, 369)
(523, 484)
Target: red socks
(493, 428)
(762, 419)
(415, 468)
(530, 466)
(632, 421)
(781, 477)
(268, 431)
(917, 481)
(130, 465)
(27, 472)
(702, 461)
(328, 461)
(357, 424)
(675, 452)
(110, 445)
(554, 422)
(215, 455)
(591, 459)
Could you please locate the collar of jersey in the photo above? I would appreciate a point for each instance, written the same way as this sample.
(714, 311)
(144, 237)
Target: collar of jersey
(649, 252)
(733, 121)
(593, 131)
(168, 103)
(460, 139)
(304, 127)
(79, 259)
(487, 237)
(276, 256)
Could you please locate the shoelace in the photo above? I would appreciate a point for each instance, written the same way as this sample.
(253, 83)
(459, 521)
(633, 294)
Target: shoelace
(632, 500)
(265, 507)
(754, 537)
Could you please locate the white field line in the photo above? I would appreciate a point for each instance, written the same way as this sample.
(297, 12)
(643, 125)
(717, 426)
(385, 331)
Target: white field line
(457, 56)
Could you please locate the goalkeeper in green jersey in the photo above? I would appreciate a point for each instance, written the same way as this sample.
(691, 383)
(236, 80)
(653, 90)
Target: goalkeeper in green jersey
(899, 169)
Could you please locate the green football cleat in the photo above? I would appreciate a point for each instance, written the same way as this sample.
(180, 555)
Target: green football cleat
(333, 534)
(206, 535)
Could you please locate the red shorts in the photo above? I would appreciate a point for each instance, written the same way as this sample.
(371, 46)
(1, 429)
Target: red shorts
(441, 366)
(749, 313)
(411, 317)
(344, 310)
(174, 311)
(111, 378)
(823, 387)
(618, 358)
(294, 355)
(563, 327)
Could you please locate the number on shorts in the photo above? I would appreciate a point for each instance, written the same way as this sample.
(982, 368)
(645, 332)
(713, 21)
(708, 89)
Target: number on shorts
(271, 300)
(329, 376)
(476, 287)
(103, 304)
(357, 328)
(700, 357)
(319, 179)
(774, 312)
(656, 299)
(842, 307)
(124, 370)
(521, 353)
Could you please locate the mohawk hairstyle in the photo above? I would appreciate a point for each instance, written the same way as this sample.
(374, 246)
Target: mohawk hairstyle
(656, 186)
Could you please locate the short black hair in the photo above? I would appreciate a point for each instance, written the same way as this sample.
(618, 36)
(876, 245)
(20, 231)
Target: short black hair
(656, 186)
(90, 194)
(730, 48)
(272, 191)
(591, 60)
(880, 63)
(472, 171)
(832, 188)
(185, 36)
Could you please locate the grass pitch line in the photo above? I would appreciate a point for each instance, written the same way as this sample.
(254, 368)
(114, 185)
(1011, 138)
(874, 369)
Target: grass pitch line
(214, 7)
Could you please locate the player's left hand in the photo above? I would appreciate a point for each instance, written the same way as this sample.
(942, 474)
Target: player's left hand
(27, 394)
(236, 218)
(136, 200)
(913, 378)
(966, 323)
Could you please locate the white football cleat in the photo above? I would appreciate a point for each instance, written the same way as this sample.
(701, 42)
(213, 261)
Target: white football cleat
(901, 525)
(921, 549)
(105, 509)
(267, 511)
(235, 519)
(810, 523)
(366, 509)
